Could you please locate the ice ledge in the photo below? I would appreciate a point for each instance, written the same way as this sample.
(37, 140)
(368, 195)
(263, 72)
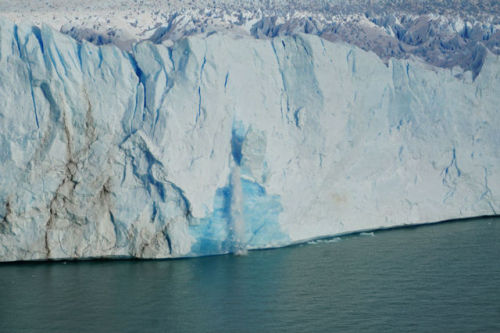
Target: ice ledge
(313, 240)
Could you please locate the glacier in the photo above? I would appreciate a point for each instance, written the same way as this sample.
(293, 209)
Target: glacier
(220, 143)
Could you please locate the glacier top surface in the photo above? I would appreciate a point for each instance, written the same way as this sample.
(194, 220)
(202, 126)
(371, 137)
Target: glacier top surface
(443, 33)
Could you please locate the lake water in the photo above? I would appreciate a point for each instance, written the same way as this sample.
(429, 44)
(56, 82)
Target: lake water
(439, 278)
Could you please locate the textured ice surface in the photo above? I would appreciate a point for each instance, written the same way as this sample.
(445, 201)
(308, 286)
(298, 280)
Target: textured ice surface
(217, 143)
(443, 33)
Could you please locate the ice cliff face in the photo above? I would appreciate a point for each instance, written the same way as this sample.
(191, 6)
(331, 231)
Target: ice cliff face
(219, 144)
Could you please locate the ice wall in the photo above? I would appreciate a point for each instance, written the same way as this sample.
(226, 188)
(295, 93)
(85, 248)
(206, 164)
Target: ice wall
(221, 144)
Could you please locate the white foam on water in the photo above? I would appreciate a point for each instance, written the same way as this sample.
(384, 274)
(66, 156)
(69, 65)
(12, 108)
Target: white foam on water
(322, 241)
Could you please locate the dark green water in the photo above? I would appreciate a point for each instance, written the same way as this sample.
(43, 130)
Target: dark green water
(440, 278)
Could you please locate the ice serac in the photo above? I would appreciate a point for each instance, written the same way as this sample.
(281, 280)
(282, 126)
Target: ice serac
(222, 144)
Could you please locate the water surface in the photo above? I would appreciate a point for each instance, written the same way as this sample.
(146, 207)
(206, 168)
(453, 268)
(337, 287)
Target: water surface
(439, 278)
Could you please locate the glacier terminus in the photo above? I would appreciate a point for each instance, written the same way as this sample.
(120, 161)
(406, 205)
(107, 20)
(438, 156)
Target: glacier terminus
(222, 142)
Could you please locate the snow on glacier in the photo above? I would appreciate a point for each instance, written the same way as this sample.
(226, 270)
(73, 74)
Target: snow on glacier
(443, 33)
(167, 150)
